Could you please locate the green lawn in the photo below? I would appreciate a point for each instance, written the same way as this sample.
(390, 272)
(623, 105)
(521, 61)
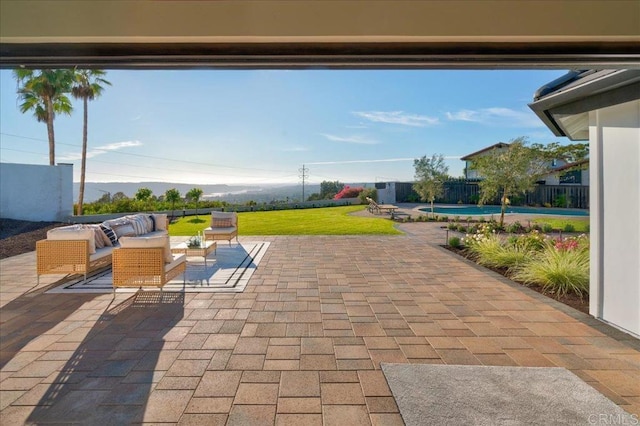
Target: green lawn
(580, 225)
(318, 221)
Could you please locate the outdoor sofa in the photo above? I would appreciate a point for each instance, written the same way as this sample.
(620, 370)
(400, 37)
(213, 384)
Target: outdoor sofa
(224, 226)
(82, 249)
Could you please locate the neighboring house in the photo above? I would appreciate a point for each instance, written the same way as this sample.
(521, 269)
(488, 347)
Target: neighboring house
(470, 173)
(570, 174)
(603, 106)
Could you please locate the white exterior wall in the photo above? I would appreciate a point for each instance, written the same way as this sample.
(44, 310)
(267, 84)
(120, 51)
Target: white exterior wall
(614, 137)
(388, 194)
(36, 193)
(469, 172)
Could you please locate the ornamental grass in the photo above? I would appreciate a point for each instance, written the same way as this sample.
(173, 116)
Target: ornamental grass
(558, 266)
(558, 271)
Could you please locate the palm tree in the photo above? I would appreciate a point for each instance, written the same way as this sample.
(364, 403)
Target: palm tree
(87, 86)
(44, 93)
(172, 196)
(194, 194)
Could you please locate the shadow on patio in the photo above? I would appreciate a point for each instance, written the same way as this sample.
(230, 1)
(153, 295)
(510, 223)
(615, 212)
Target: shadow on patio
(29, 324)
(114, 369)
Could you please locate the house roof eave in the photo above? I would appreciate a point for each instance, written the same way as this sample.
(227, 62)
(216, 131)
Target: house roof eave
(582, 92)
(489, 148)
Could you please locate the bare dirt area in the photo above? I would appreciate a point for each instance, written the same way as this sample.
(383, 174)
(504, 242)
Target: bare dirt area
(20, 236)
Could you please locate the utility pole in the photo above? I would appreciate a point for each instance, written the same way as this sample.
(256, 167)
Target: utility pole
(304, 174)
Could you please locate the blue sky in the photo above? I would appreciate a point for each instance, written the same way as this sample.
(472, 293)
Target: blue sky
(261, 126)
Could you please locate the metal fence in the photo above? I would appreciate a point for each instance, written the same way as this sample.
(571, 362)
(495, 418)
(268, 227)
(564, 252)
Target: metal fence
(468, 192)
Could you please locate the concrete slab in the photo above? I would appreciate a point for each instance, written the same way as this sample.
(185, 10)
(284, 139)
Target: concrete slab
(487, 395)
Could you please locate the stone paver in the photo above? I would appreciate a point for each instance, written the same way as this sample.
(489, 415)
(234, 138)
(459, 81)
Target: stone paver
(301, 345)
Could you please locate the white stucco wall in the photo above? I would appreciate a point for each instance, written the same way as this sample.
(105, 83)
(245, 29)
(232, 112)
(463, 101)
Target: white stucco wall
(388, 194)
(36, 192)
(614, 137)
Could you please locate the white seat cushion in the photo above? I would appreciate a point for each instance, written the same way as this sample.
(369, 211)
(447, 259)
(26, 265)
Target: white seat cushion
(74, 232)
(219, 230)
(100, 253)
(177, 259)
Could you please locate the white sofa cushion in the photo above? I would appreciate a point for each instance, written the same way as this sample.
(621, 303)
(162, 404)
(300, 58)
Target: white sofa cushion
(100, 253)
(74, 232)
(154, 241)
(161, 221)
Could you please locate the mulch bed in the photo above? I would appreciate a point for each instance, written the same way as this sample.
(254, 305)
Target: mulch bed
(570, 299)
(20, 236)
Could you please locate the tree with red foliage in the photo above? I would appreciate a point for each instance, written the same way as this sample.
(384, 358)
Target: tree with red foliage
(348, 192)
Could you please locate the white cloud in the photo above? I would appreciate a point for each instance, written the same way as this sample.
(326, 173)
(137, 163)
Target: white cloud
(497, 116)
(397, 117)
(101, 150)
(351, 139)
(464, 115)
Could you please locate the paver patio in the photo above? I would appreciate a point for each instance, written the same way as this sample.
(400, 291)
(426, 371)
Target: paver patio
(301, 345)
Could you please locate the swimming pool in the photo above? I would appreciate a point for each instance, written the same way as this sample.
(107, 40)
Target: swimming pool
(489, 210)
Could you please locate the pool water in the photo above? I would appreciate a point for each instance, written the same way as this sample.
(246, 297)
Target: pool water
(489, 210)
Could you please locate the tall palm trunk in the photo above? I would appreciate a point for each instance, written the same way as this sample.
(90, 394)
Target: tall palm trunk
(83, 166)
(52, 143)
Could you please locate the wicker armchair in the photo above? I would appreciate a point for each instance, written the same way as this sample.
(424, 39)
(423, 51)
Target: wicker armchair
(145, 267)
(69, 257)
(224, 226)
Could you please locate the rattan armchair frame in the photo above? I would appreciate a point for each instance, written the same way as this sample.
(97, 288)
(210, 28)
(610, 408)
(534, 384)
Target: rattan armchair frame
(143, 267)
(66, 257)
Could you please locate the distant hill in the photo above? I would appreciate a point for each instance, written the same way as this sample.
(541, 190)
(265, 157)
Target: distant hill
(230, 193)
(95, 190)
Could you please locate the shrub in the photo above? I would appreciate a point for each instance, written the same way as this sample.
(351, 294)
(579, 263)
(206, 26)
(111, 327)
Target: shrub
(560, 201)
(348, 192)
(558, 271)
(368, 192)
(492, 253)
(515, 228)
(569, 228)
(455, 242)
(481, 219)
(533, 241)
(452, 226)
(546, 228)
(462, 228)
